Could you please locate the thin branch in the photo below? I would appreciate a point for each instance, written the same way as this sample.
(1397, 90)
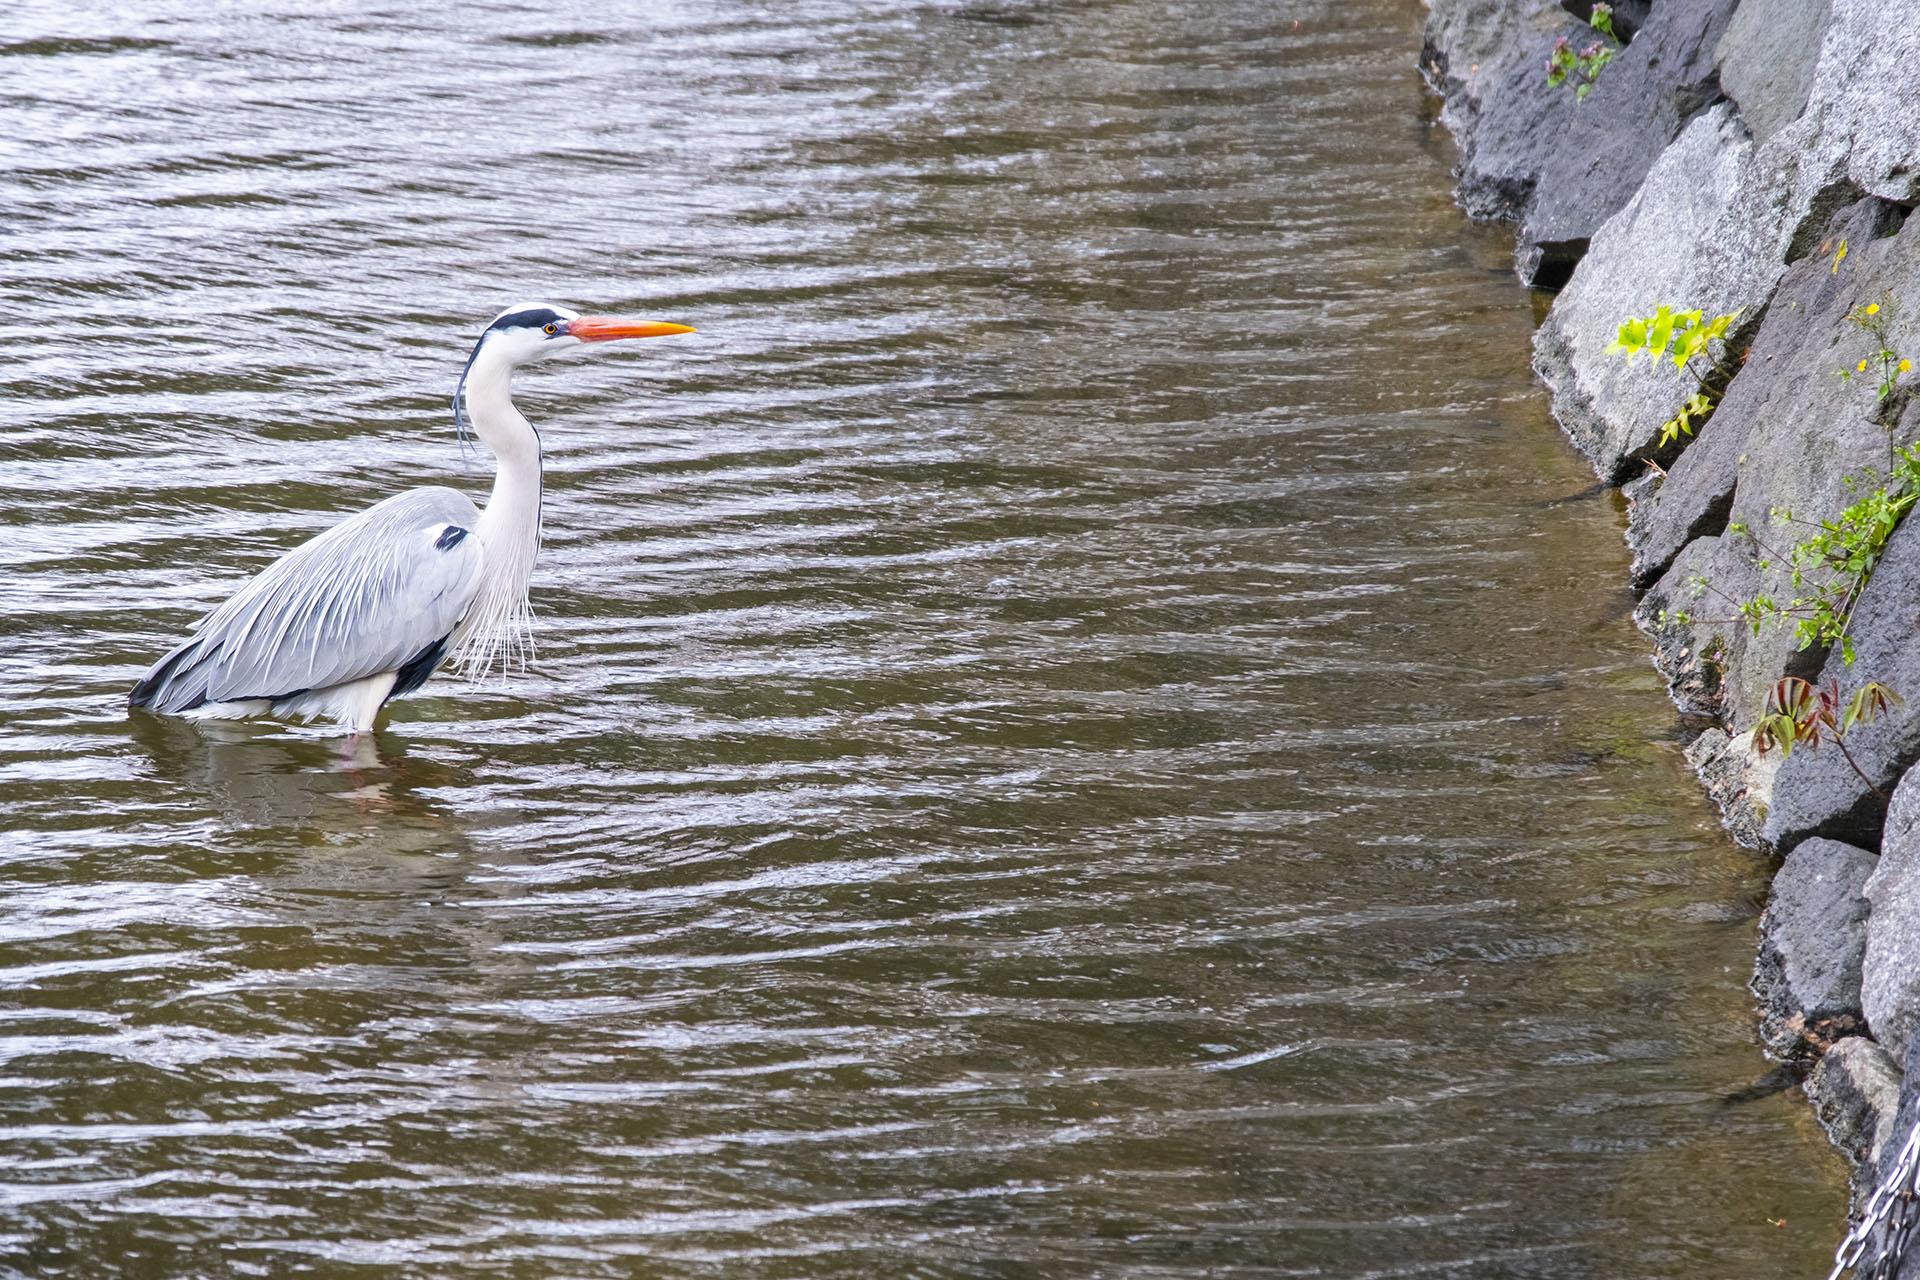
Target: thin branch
(1841, 742)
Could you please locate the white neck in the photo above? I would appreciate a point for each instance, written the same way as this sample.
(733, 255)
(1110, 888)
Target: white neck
(498, 623)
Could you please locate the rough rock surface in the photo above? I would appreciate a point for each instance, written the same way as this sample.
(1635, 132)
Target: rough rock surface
(1766, 60)
(1890, 973)
(1628, 15)
(1645, 256)
(1788, 381)
(1787, 438)
(1488, 58)
(1714, 660)
(1532, 154)
(1855, 1091)
(1818, 792)
(1739, 782)
(1865, 86)
(1812, 938)
(1904, 1120)
(1640, 103)
(1469, 44)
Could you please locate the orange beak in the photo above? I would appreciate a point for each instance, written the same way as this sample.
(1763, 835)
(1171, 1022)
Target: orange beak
(607, 328)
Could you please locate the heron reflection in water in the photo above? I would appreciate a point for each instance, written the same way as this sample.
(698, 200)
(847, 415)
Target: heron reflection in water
(371, 608)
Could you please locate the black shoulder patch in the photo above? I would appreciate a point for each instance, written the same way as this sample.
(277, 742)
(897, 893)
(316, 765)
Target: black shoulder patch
(531, 318)
(449, 538)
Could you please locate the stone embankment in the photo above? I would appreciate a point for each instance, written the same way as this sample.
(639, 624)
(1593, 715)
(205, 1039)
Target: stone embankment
(1757, 157)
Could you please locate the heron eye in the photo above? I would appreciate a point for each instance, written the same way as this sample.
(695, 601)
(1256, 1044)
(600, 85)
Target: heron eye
(553, 328)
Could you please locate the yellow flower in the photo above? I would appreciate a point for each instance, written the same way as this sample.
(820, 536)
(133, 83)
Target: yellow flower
(1861, 367)
(1905, 365)
(1873, 308)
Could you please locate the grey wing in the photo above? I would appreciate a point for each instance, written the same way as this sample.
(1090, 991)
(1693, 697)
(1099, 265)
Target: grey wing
(366, 596)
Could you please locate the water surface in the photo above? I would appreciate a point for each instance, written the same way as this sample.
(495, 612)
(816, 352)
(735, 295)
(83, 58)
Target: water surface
(1086, 724)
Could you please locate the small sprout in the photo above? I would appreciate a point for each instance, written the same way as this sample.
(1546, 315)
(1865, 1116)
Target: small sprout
(1580, 71)
(1683, 337)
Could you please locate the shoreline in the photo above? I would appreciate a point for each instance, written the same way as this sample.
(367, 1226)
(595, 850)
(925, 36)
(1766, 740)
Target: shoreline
(1756, 160)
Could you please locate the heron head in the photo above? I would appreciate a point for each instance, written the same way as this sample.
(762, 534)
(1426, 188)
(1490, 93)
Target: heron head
(533, 331)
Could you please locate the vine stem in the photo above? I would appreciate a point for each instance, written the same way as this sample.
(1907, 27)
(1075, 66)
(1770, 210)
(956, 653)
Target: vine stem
(1841, 742)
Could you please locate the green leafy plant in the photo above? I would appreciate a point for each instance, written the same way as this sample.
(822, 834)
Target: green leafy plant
(1802, 714)
(1581, 69)
(1689, 340)
(1829, 568)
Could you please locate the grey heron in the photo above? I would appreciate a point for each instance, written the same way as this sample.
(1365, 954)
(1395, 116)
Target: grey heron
(368, 609)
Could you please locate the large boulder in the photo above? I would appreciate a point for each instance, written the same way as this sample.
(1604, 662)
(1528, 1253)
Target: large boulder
(1720, 217)
(1488, 58)
(1865, 89)
(1532, 153)
(1822, 792)
(1471, 45)
(1812, 938)
(1793, 437)
(1855, 1091)
(1788, 378)
(1890, 972)
(1648, 255)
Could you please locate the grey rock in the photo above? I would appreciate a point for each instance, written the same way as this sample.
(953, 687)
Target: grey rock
(1855, 1091)
(1866, 86)
(1812, 938)
(1738, 780)
(1533, 155)
(1903, 1122)
(1687, 652)
(1890, 974)
(1489, 59)
(1470, 45)
(1766, 60)
(1819, 792)
(1650, 253)
(1788, 377)
(1867, 1177)
(1718, 220)
(1715, 661)
(1640, 103)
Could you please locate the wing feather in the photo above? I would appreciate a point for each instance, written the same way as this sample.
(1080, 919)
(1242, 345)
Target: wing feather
(364, 597)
